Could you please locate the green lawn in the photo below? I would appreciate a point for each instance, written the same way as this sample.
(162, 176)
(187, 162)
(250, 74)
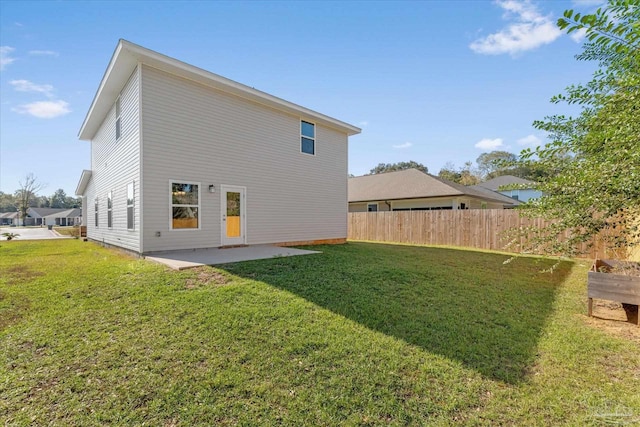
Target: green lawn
(363, 334)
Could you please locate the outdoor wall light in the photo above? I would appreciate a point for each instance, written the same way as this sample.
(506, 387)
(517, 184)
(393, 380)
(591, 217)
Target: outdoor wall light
(212, 189)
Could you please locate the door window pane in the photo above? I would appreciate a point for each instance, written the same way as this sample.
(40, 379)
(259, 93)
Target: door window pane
(233, 214)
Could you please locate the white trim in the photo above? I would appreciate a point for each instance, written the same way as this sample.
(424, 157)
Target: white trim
(133, 206)
(141, 165)
(118, 108)
(242, 240)
(171, 205)
(314, 138)
(83, 182)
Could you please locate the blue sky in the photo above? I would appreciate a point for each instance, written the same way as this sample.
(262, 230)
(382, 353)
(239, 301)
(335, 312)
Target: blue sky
(430, 81)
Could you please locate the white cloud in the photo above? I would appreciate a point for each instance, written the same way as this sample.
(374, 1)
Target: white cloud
(588, 2)
(363, 123)
(27, 86)
(530, 140)
(578, 35)
(5, 56)
(489, 144)
(401, 146)
(44, 109)
(43, 53)
(528, 30)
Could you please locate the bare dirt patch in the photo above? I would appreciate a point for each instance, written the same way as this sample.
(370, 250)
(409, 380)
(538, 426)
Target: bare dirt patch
(610, 317)
(205, 276)
(21, 274)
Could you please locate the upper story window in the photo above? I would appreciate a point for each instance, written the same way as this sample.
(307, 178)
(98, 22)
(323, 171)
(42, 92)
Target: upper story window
(118, 119)
(307, 137)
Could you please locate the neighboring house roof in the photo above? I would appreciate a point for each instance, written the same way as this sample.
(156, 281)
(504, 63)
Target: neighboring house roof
(126, 58)
(9, 215)
(495, 183)
(42, 212)
(412, 184)
(66, 213)
(496, 195)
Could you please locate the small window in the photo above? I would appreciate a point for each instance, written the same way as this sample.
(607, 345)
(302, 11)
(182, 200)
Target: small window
(118, 120)
(372, 207)
(307, 137)
(110, 210)
(185, 205)
(130, 203)
(96, 212)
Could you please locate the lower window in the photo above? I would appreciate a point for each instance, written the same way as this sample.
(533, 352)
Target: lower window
(185, 205)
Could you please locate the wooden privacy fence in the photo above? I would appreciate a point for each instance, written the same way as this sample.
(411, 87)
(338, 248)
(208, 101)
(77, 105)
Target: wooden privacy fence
(473, 228)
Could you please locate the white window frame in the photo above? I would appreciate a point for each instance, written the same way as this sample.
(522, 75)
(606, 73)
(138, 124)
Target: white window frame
(171, 205)
(118, 119)
(315, 131)
(110, 209)
(376, 204)
(131, 188)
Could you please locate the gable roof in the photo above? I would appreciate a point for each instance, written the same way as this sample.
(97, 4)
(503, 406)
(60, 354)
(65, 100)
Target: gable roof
(42, 212)
(497, 182)
(412, 184)
(125, 59)
(9, 215)
(67, 213)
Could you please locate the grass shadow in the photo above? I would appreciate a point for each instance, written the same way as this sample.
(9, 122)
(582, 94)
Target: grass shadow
(465, 305)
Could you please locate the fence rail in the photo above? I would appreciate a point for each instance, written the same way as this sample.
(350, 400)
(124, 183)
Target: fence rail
(473, 228)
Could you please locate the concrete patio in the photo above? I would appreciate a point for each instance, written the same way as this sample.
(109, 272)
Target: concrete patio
(180, 260)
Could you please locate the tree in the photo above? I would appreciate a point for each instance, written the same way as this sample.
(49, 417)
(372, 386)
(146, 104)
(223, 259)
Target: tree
(42, 202)
(495, 163)
(58, 199)
(7, 202)
(400, 166)
(73, 202)
(449, 172)
(26, 194)
(465, 175)
(596, 191)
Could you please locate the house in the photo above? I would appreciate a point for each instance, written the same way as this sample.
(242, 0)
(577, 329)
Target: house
(66, 217)
(182, 158)
(523, 193)
(47, 216)
(9, 218)
(412, 189)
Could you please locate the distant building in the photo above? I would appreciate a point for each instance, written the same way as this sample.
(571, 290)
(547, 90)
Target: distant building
(9, 218)
(522, 194)
(412, 189)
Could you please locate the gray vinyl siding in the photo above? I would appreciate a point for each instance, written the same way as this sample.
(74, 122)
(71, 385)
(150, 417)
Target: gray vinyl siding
(193, 133)
(114, 165)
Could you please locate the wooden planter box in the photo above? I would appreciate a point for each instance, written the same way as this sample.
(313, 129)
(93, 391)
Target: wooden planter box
(614, 287)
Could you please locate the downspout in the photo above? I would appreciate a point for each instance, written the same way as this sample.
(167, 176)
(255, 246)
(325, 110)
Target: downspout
(388, 204)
